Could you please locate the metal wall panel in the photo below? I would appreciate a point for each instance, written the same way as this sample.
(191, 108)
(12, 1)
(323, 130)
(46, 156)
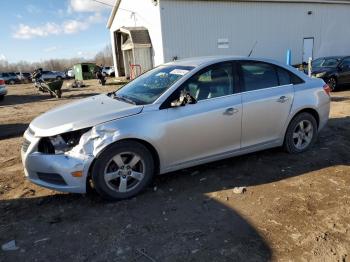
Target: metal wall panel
(198, 28)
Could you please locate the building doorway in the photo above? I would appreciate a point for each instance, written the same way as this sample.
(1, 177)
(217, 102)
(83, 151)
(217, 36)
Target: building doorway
(308, 49)
(133, 47)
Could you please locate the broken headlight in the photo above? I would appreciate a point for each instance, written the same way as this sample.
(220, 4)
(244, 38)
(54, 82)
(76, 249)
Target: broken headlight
(62, 143)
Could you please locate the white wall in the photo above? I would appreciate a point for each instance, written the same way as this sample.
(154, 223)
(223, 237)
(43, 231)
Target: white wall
(192, 28)
(146, 15)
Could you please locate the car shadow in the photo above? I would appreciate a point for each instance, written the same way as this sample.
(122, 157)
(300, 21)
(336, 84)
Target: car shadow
(23, 99)
(12, 130)
(176, 219)
(155, 226)
(331, 149)
(339, 98)
(11, 100)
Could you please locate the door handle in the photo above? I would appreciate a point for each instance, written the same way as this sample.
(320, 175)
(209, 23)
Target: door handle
(282, 99)
(231, 111)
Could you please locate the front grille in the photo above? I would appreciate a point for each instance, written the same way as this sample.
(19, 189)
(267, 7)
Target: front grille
(25, 145)
(52, 178)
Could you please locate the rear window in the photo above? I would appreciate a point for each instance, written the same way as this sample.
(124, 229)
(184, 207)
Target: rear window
(283, 76)
(296, 80)
(258, 75)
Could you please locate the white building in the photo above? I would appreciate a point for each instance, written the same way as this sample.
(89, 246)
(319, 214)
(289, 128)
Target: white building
(147, 33)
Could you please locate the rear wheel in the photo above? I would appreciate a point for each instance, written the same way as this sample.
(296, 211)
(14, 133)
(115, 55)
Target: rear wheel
(123, 170)
(332, 83)
(12, 82)
(301, 133)
(2, 97)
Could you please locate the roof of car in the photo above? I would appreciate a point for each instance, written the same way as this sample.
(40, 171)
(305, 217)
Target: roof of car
(208, 60)
(330, 57)
(198, 61)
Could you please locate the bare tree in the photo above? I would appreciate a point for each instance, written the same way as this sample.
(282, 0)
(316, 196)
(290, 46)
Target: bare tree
(104, 57)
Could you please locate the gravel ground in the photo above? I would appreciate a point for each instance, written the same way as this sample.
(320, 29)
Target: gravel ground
(293, 208)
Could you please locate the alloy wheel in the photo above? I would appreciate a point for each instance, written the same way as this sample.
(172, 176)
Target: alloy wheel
(124, 172)
(303, 134)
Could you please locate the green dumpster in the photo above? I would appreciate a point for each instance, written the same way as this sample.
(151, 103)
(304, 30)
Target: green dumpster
(84, 71)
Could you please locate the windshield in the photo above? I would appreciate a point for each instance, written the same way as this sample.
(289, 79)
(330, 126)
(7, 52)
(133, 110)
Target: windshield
(325, 62)
(148, 87)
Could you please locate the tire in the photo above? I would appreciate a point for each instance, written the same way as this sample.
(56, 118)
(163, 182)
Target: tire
(58, 78)
(295, 133)
(12, 82)
(2, 97)
(113, 167)
(332, 83)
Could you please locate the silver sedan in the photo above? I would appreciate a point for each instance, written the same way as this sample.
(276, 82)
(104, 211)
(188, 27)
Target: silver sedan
(178, 115)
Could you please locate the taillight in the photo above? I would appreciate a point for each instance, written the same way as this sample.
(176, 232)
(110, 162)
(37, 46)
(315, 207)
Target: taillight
(327, 89)
(2, 82)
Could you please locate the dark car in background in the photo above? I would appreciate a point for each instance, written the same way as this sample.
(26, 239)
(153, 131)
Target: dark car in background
(52, 75)
(334, 70)
(9, 78)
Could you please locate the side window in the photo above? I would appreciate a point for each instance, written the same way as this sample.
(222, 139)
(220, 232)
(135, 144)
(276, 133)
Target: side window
(211, 82)
(258, 75)
(296, 80)
(346, 62)
(283, 77)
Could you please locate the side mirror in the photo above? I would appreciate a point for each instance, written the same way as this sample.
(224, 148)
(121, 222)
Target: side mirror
(184, 99)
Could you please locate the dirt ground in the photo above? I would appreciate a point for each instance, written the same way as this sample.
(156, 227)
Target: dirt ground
(295, 207)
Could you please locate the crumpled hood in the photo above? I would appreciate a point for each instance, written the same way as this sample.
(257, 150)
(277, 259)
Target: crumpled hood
(84, 113)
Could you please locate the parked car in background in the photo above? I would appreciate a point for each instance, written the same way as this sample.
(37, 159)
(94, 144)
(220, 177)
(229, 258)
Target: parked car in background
(24, 77)
(175, 116)
(70, 73)
(51, 75)
(10, 78)
(108, 70)
(3, 90)
(334, 70)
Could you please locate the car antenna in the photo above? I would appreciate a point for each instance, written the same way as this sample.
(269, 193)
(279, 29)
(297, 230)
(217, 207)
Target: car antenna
(251, 51)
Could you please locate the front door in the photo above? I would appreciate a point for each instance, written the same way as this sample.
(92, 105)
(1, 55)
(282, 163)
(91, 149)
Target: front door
(210, 127)
(344, 71)
(308, 49)
(267, 100)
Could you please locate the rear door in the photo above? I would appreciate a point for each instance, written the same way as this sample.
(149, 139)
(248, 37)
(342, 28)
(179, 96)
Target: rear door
(266, 100)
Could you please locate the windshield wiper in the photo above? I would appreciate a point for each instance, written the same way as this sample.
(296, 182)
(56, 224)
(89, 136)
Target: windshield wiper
(121, 98)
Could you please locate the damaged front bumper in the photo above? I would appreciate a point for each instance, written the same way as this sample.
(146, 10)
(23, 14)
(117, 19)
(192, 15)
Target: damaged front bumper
(54, 171)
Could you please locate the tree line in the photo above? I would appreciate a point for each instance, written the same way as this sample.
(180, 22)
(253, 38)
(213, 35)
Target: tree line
(104, 57)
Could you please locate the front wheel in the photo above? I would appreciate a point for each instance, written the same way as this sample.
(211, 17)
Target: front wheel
(301, 133)
(123, 170)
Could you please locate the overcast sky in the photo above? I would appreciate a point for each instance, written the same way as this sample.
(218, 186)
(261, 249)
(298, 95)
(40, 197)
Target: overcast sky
(35, 30)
